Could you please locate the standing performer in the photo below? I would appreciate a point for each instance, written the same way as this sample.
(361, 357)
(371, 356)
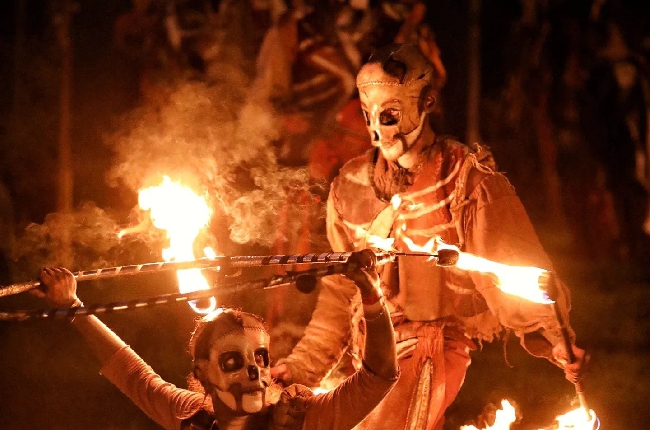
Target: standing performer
(231, 368)
(412, 187)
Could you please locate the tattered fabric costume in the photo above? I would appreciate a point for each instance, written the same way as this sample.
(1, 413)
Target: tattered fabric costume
(457, 196)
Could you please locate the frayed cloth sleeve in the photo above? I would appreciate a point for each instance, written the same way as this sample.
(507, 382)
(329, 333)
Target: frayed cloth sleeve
(327, 334)
(162, 401)
(498, 228)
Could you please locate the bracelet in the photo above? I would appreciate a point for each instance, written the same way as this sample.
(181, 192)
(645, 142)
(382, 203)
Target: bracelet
(76, 304)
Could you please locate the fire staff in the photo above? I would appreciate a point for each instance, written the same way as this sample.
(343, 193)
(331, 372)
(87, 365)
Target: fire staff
(231, 385)
(412, 187)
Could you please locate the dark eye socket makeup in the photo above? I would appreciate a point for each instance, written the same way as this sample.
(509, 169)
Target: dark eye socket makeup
(390, 116)
(262, 357)
(231, 361)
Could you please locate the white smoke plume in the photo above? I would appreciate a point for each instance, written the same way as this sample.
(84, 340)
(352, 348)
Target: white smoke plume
(217, 138)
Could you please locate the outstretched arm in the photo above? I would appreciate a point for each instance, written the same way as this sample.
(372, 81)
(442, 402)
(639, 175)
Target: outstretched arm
(60, 291)
(160, 400)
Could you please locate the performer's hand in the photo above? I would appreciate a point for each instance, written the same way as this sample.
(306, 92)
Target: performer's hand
(282, 373)
(58, 287)
(573, 372)
(366, 276)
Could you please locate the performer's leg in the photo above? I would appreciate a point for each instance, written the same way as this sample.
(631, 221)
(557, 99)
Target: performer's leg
(420, 397)
(457, 360)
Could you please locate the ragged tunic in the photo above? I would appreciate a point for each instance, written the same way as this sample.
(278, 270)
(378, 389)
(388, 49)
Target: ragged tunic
(454, 196)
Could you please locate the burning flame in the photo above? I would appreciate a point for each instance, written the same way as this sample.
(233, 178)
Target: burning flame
(521, 281)
(574, 420)
(504, 418)
(182, 214)
(578, 419)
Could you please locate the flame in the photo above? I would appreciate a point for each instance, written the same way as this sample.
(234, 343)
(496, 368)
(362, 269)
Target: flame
(578, 419)
(521, 281)
(380, 243)
(182, 214)
(504, 418)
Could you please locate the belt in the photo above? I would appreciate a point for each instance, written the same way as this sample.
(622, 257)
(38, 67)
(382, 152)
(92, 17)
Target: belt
(406, 329)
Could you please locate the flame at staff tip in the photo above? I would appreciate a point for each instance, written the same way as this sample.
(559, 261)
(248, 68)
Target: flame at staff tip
(521, 281)
(182, 214)
(577, 419)
(503, 419)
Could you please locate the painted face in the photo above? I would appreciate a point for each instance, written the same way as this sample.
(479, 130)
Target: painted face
(238, 369)
(392, 90)
(392, 117)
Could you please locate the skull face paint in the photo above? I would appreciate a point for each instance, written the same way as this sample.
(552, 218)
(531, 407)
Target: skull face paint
(239, 370)
(233, 362)
(392, 87)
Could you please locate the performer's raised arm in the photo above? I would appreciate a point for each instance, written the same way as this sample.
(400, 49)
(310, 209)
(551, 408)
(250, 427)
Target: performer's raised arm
(231, 377)
(161, 401)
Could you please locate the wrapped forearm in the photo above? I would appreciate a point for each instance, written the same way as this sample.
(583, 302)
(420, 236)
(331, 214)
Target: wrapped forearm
(379, 355)
(327, 334)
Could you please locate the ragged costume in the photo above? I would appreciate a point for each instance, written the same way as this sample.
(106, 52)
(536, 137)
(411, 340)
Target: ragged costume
(450, 194)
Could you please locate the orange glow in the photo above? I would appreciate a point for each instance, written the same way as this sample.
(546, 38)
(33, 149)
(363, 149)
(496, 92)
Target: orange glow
(380, 243)
(182, 214)
(504, 418)
(578, 419)
(521, 281)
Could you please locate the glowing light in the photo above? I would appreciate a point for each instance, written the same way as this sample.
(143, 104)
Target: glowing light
(578, 419)
(521, 281)
(504, 418)
(182, 214)
(380, 243)
(329, 383)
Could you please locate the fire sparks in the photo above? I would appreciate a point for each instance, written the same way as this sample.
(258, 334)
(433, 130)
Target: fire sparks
(504, 418)
(182, 214)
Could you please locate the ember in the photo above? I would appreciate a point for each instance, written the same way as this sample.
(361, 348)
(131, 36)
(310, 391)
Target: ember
(182, 214)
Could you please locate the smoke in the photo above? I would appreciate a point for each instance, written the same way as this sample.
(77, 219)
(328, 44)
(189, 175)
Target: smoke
(92, 234)
(217, 137)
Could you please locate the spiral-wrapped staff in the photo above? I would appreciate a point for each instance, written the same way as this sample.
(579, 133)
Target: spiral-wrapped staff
(444, 257)
(305, 280)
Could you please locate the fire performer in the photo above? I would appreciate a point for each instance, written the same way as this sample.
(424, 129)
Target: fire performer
(231, 375)
(414, 186)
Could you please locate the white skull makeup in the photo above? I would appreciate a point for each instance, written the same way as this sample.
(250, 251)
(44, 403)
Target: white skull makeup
(236, 369)
(393, 86)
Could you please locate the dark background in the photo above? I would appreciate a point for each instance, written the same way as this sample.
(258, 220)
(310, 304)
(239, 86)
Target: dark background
(49, 379)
